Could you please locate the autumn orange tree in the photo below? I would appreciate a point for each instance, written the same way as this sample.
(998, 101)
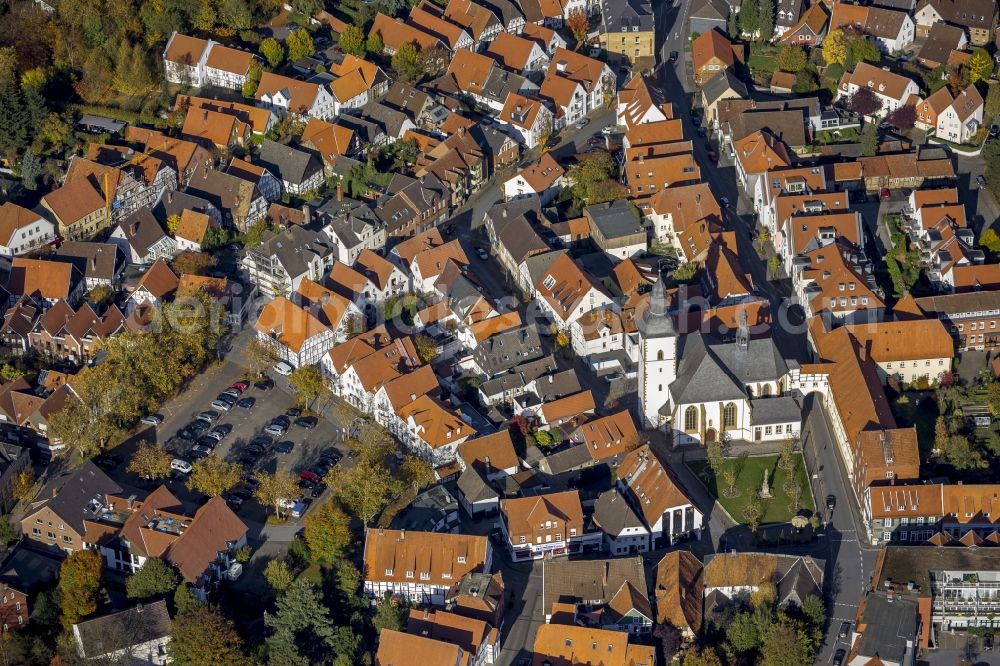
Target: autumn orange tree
(578, 24)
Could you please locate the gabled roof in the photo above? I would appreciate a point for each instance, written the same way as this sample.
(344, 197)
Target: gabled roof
(396, 649)
(609, 436)
(69, 493)
(445, 557)
(879, 81)
(650, 484)
(288, 323)
(124, 630)
(761, 151)
(214, 529)
(489, 452)
(14, 217)
(712, 45)
(541, 174)
(568, 645)
(48, 279)
(435, 423)
(511, 51)
(679, 590)
(301, 95)
(185, 50)
(159, 280)
(567, 286)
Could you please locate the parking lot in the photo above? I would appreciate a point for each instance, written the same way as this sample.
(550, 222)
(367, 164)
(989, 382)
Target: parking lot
(246, 425)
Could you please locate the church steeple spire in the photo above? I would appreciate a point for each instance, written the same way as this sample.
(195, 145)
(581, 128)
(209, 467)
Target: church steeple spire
(656, 320)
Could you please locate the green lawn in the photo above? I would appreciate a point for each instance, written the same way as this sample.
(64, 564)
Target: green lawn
(762, 63)
(846, 135)
(748, 482)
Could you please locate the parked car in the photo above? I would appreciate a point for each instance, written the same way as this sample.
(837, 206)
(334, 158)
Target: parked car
(227, 398)
(180, 465)
(283, 368)
(831, 502)
(240, 386)
(283, 447)
(318, 489)
(980, 181)
(108, 461)
(307, 484)
(845, 629)
(197, 453)
(202, 449)
(583, 123)
(208, 415)
(673, 56)
(276, 429)
(702, 132)
(838, 657)
(308, 474)
(221, 405)
(207, 441)
(553, 141)
(724, 201)
(884, 194)
(232, 393)
(264, 385)
(713, 156)
(254, 450)
(595, 142)
(186, 433)
(251, 483)
(200, 424)
(300, 508)
(246, 403)
(234, 501)
(307, 422)
(292, 412)
(152, 420)
(483, 254)
(262, 441)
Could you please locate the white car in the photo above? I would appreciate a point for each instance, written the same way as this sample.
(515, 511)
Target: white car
(182, 466)
(153, 420)
(275, 430)
(221, 406)
(283, 368)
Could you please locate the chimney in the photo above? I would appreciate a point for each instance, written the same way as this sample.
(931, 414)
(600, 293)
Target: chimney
(204, 115)
(340, 192)
(306, 214)
(93, 263)
(170, 196)
(402, 535)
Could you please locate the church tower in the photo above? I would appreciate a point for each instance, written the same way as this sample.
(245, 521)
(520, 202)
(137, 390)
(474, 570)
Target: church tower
(658, 355)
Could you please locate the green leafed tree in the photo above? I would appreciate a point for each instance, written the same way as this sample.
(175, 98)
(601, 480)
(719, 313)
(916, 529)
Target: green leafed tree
(150, 462)
(253, 79)
(352, 40)
(980, 65)
(214, 476)
(328, 532)
(202, 636)
(375, 44)
(272, 51)
(990, 240)
(155, 578)
(791, 58)
(300, 45)
(303, 630)
(364, 489)
(405, 62)
(309, 385)
(278, 575)
(390, 614)
(869, 139)
(79, 583)
(31, 170)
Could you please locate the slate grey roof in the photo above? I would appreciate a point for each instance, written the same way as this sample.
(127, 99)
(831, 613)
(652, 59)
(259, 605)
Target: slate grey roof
(656, 321)
(521, 240)
(404, 97)
(626, 15)
(557, 385)
(501, 214)
(366, 129)
(888, 627)
(173, 202)
(787, 13)
(540, 263)
(474, 488)
(426, 510)
(119, 631)
(76, 495)
(590, 580)
(508, 349)
(505, 10)
(349, 219)
(802, 578)
(789, 126)
(97, 261)
(720, 83)
(568, 459)
(613, 514)
(293, 247)
(457, 286)
(387, 118)
(519, 376)
(288, 164)
(141, 230)
(26, 569)
(713, 10)
(721, 371)
(615, 219)
(779, 409)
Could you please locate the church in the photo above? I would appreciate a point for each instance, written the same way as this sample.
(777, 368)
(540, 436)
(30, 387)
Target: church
(701, 388)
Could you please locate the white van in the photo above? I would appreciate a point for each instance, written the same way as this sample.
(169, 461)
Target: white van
(283, 368)
(182, 466)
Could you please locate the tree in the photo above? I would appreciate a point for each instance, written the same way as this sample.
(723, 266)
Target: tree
(750, 20)
(787, 458)
(375, 45)
(714, 454)
(903, 118)
(733, 25)
(766, 19)
(416, 472)
(101, 295)
(764, 595)
(173, 221)
(374, 443)
(184, 599)
(805, 81)
(300, 45)
(79, 582)
(150, 462)
(364, 489)
(9, 534)
(23, 484)
(941, 433)
(309, 385)
(254, 73)
(234, 15)
(785, 645)
(214, 476)
(753, 512)
(869, 140)
(992, 99)
(791, 58)
(593, 179)
(433, 62)
(14, 123)
(990, 241)
(835, 47)
(193, 263)
(201, 636)
(204, 17)
(276, 489)
(53, 134)
(814, 610)
(352, 40)
(405, 62)
(686, 272)
(706, 656)
(303, 630)
(863, 50)
(980, 66)
(962, 455)
(426, 348)
(578, 25)
(865, 102)
(328, 533)
(670, 639)
(958, 79)
(31, 170)
(729, 477)
(390, 614)
(154, 579)
(747, 630)
(259, 356)
(273, 51)
(278, 575)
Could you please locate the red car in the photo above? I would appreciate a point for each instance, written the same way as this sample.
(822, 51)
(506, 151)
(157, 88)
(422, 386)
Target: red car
(240, 386)
(311, 476)
(884, 194)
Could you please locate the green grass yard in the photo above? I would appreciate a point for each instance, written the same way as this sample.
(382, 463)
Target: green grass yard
(748, 482)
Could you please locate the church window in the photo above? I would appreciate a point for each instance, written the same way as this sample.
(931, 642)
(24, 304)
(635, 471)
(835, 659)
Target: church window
(691, 419)
(659, 355)
(765, 391)
(729, 416)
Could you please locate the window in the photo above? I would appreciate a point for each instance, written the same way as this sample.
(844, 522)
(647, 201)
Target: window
(425, 575)
(388, 572)
(729, 416)
(409, 574)
(777, 429)
(36, 532)
(549, 282)
(522, 538)
(572, 532)
(767, 430)
(691, 419)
